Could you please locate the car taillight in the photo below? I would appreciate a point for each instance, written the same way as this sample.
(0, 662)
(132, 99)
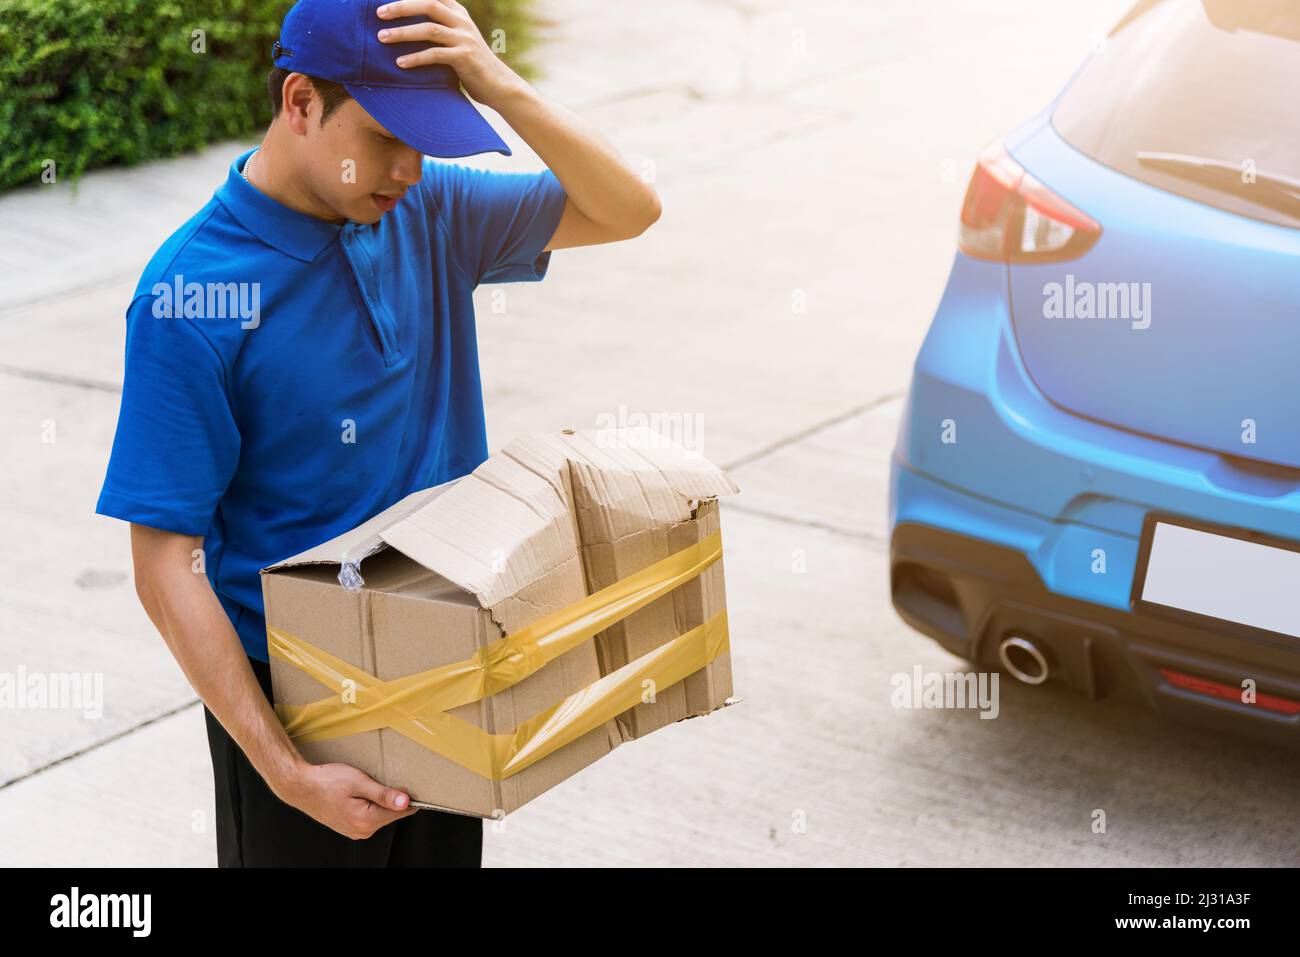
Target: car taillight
(1217, 689)
(1011, 217)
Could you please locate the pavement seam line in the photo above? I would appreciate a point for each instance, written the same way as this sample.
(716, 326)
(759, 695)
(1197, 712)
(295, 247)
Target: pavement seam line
(812, 430)
(19, 306)
(867, 537)
(96, 745)
(56, 378)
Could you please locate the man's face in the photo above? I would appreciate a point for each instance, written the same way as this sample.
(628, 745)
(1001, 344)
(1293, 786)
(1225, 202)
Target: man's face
(357, 169)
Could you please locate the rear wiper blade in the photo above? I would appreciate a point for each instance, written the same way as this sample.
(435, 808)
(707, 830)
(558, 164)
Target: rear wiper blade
(1271, 190)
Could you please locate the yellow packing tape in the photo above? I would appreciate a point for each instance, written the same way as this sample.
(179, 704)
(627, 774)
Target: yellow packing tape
(416, 705)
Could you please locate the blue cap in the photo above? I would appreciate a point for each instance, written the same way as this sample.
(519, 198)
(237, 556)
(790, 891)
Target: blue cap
(422, 106)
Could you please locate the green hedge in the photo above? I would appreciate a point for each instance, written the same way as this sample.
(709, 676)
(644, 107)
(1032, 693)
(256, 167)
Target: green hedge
(91, 83)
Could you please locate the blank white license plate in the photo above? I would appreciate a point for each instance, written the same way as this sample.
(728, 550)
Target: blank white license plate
(1224, 577)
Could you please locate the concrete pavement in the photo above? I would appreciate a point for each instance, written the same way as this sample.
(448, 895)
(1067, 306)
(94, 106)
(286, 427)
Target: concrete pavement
(811, 163)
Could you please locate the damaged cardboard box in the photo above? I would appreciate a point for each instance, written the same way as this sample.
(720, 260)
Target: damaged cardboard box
(448, 646)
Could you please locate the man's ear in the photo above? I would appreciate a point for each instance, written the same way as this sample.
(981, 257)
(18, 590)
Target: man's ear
(296, 103)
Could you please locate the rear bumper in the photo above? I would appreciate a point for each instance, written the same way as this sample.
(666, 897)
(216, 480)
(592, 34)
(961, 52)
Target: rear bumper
(969, 591)
(976, 421)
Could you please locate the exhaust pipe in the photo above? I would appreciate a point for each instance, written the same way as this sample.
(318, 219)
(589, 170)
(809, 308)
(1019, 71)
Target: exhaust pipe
(1020, 656)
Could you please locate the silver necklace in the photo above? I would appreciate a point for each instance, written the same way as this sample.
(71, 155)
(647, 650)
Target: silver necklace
(247, 163)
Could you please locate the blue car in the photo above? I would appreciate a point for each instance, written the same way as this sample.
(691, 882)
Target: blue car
(1097, 474)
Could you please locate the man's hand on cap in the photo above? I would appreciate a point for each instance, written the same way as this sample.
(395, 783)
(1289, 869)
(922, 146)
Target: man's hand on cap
(459, 45)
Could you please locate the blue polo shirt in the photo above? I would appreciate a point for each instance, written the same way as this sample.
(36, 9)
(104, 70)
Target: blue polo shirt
(288, 378)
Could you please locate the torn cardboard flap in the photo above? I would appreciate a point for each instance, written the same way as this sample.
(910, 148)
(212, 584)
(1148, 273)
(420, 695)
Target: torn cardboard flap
(509, 522)
(634, 454)
(363, 540)
(516, 517)
(499, 530)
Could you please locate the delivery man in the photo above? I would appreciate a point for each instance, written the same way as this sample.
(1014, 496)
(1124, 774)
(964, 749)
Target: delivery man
(301, 354)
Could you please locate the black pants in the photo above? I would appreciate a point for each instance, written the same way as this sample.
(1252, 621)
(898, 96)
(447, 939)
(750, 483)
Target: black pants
(256, 829)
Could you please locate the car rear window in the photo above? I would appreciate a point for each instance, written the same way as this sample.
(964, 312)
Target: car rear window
(1184, 80)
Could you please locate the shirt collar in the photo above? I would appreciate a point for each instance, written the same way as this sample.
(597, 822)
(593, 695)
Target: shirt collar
(293, 233)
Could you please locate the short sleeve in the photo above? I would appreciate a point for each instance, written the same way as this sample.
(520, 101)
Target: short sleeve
(498, 222)
(177, 444)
